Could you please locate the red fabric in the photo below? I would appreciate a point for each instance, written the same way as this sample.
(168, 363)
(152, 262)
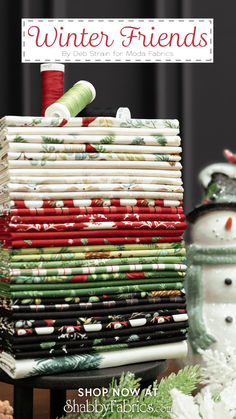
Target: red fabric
(63, 122)
(96, 210)
(96, 203)
(86, 121)
(89, 233)
(106, 226)
(87, 241)
(130, 275)
(92, 217)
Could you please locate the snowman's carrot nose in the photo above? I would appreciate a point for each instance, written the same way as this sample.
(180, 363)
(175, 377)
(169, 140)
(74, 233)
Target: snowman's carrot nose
(228, 223)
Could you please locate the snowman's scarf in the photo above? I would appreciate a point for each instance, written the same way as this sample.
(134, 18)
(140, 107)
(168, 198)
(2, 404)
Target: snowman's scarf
(196, 257)
(200, 255)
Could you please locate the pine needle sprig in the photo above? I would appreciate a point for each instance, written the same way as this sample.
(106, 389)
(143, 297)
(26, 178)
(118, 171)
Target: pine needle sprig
(185, 381)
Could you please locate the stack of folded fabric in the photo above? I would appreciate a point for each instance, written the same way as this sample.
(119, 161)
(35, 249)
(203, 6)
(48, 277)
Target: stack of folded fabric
(92, 257)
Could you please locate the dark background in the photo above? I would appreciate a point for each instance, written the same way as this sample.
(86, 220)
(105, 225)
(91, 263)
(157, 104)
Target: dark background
(202, 96)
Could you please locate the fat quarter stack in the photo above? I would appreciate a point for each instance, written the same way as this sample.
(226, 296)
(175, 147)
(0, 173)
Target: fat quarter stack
(92, 255)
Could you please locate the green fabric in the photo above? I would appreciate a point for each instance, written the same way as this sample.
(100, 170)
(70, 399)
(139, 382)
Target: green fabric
(97, 277)
(100, 269)
(92, 248)
(93, 290)
(77, 285)
(179, 251)
(97, 262)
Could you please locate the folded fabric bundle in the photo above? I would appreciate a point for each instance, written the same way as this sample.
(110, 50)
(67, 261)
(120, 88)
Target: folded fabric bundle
(106, 140)
(44, 156)
(52, 257)
(72, 291)
(92, 255)
(96, 232)
(115, 276)
(61, 303)
(90, 291)
(90, 326)
(119, 164)
(97, 348)
(75, 261)
(90, 132)
(25, 308)
(26, 243)
(78, 281)
(112, 311)
(11, 146)
(50, 346)
(91, 211)
(26, 343)
(84, 187)
(98, 121)
(53, 174)
(38, 366)
(73, 335)
(71, 203)
(60, 219)
(170, 198)
(95, 225)
(18, 179)
(98, 269)
(93, 248)
(104, 317)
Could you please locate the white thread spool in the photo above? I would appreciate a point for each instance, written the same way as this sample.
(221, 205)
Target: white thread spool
(123, 113)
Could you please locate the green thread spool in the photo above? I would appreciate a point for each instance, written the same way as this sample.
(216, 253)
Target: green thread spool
(73, 101)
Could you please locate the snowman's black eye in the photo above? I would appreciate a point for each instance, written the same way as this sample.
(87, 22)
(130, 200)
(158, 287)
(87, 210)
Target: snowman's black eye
(229, 319)
(228, 281)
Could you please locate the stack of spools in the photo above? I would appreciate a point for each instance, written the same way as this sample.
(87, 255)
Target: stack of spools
(92, 258)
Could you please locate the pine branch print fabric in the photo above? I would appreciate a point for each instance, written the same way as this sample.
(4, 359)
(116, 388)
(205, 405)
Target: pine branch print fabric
(25, 146)
(52, 365)
(30, 121)
(59, 141)
(92, 255)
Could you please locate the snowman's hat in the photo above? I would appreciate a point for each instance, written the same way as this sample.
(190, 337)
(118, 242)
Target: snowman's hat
(219, 182)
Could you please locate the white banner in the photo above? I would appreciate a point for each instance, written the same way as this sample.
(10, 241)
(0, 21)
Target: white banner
(117, 40)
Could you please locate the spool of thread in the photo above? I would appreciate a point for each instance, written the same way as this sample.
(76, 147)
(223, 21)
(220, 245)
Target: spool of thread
(73, 101)
(123, 113)
(52, 84)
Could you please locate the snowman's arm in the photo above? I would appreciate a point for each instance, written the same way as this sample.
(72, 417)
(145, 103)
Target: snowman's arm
(197, 334)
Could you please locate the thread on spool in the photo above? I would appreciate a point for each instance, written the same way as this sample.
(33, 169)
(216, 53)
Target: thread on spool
(73, 101)
(52, 84)
(123, 113)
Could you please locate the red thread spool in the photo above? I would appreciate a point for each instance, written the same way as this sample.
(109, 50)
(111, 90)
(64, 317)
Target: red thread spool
(52, 84)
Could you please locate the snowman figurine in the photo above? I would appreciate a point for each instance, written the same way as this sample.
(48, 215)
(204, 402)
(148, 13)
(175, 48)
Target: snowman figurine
(211, 276)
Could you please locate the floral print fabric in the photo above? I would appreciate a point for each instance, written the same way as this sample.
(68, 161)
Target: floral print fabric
(99, 121)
